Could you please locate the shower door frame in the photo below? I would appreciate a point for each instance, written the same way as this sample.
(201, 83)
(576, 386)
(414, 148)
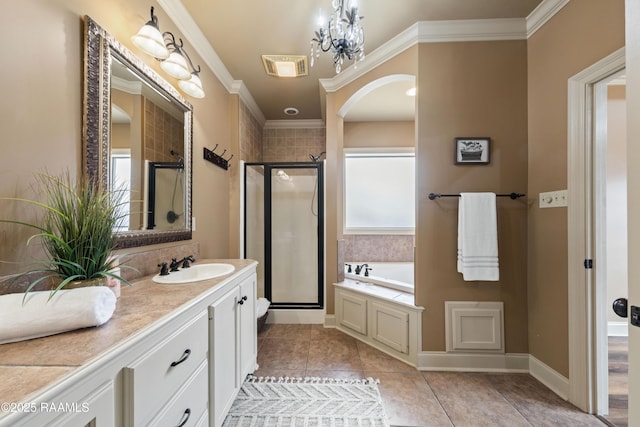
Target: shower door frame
(268, 167)
(151, 199)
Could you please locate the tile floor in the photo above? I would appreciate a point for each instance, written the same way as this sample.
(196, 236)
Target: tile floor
(414, 398)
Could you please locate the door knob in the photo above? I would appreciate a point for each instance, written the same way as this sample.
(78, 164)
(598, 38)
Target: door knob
(620, 307)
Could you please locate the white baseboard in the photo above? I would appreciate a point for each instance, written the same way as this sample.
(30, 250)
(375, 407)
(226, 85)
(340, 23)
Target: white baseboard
(549, 377)
(296, 316)
(618, 329)
(330, 321)
(472, 362)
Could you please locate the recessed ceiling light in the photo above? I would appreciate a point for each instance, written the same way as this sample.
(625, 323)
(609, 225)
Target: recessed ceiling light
(291, 111)
(285, 65)
(411, 92)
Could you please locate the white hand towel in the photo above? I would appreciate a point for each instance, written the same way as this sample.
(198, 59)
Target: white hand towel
(67, 310)
(478, 237)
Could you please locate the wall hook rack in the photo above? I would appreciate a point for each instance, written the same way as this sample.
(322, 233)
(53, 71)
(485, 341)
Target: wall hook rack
(216, 159)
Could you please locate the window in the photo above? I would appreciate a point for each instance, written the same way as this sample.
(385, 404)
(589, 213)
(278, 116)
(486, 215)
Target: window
(121, 180)
(379, 191)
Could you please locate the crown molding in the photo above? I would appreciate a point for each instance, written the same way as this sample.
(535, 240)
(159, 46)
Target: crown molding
(294, 124)
(472, 30)
(420, 32)
(134, 88)
(543, 13)
(238, 87)
(188, 27)
(431, 32)
(190, 30)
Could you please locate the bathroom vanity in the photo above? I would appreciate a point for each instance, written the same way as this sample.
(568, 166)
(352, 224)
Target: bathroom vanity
(171, 354)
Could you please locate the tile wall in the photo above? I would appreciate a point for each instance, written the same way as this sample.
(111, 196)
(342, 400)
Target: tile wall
(292, 145)
(251, 136)
(162, 133)
(378, 247)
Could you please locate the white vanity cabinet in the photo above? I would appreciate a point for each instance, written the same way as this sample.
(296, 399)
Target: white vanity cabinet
(161, 375)
(232, 346)
(172, 356)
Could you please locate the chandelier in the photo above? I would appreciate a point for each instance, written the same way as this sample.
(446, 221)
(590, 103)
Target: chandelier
(343, 35)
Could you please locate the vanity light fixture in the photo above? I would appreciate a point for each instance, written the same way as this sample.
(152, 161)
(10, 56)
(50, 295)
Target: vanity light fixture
(149, 39)
(174, 60)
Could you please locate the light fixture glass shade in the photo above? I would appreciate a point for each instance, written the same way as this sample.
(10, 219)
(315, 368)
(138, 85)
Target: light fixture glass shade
(176, 66)
(149, 39)
(192, 87)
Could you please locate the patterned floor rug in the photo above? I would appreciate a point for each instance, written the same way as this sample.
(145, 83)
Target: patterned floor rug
(307, 402)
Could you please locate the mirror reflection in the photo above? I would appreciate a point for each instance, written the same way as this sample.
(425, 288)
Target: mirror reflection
(146, 153)
(137, 138)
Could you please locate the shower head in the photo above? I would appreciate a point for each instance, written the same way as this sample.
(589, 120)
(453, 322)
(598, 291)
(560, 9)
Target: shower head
(179, 156)
(317, 158)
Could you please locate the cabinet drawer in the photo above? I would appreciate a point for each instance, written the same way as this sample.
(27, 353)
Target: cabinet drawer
(154, 378)
(189, 405)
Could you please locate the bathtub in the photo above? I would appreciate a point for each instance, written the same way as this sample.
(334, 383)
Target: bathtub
(395, 275)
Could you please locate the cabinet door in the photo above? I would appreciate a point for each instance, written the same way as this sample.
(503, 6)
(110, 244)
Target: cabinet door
(389, 326)
(248, 327)
(223, 353)
(351, 311)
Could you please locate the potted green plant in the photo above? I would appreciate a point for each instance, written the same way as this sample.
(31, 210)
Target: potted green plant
(76, 232)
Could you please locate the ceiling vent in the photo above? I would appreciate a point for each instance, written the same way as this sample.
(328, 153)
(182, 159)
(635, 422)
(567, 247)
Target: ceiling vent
(285, 65)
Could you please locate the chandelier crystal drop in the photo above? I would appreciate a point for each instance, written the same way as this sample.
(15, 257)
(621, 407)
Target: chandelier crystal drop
(343, 35)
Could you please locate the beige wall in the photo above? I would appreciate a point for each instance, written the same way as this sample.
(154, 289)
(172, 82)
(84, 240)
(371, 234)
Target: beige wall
(617, 280)
(579, 35)
(471, 89)
(379, 134)
(404, 63)
(41, 109)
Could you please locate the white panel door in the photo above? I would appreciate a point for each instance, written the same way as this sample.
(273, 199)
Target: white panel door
(223, 353)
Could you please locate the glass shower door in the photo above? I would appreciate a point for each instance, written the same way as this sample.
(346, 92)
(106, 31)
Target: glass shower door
(293, 228)
(294, 235)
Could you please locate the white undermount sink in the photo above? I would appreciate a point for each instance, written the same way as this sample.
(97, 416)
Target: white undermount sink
(195, 273)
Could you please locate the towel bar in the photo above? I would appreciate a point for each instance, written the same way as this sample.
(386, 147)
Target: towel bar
(513, 196)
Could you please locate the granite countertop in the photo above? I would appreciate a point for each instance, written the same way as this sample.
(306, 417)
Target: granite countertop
(26, 367)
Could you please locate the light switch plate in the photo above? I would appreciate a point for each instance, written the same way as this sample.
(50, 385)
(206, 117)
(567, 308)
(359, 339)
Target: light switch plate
(553, 199)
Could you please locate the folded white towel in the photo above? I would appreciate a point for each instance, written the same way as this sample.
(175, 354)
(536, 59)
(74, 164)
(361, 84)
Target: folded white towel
(67, 310)
(478, 237)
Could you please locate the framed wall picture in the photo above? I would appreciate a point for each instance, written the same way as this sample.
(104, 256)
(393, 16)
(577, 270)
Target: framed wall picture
(472, 151)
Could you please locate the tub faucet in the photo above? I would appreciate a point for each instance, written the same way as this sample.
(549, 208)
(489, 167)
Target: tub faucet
(360, 267)
(366, 271)
(348, 268)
